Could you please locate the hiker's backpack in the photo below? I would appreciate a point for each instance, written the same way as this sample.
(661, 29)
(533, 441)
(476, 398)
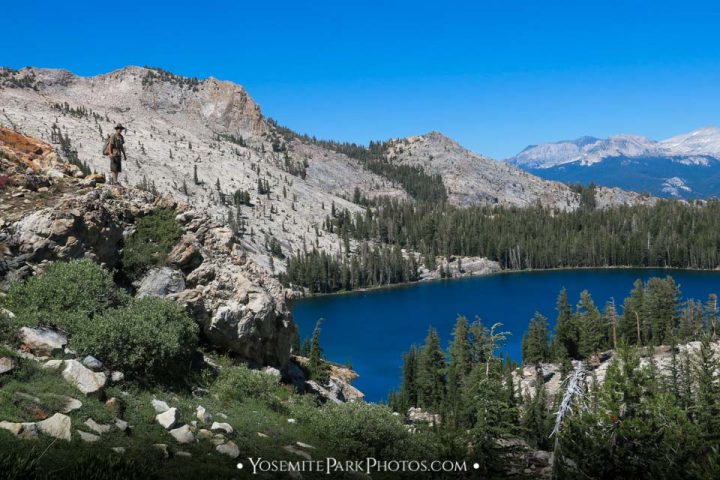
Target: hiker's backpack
(107, 149)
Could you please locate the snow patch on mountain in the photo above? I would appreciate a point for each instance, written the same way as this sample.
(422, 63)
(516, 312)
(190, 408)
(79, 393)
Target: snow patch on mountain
(674, 186)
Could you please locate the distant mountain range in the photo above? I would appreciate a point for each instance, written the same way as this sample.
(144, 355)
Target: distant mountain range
(683, 166)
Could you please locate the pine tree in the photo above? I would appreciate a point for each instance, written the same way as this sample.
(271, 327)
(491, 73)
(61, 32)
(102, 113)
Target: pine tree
(706, 367)
(536, 419)
(431, 372)
(611, 320)
(407, 395)
(711, 314)
(458, 368)
(591, 330)
(660, 304)
(315, 364)
(535, 343)
(632, 319)
(565, 340)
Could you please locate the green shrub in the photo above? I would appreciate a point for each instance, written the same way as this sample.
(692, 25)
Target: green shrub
(355, 430)
(239, 383)
(64, 296)
(155, 236)
(151, 338)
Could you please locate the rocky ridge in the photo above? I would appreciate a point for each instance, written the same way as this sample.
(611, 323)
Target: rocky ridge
(474, 179)
(203, 140)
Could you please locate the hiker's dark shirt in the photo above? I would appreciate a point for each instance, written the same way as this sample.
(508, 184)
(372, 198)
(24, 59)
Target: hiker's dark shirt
(117, 145)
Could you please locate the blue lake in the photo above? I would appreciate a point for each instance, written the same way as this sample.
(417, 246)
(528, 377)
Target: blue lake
(372, 329)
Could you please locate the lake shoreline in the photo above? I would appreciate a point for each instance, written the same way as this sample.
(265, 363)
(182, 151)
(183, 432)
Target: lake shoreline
(303, 296)
(373, 329)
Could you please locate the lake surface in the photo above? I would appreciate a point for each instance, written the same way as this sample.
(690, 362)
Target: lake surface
(371, 330)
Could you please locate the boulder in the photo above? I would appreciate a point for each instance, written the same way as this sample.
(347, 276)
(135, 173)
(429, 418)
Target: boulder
(87, 381)
(88, 437)
(204, 434)
(225, 427)
(121, 425)
(6, 364)
(160, 282)
(159, 405)
(253, 330)
(418, 415)
(186, 254)
(70, 404)
(92, 363)
(12, 427)
(183, 434)
(117, 377)
(97, 427)
(322, 392)
(21, 430)
(42, 340)
(345, 391)
(229, 449)
(297, 451)
(57, 426)
(202, 414)
(52, 364)
(167, 419)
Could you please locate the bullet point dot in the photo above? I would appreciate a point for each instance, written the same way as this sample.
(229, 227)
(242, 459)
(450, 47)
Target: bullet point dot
(476, 466)
(239, 466)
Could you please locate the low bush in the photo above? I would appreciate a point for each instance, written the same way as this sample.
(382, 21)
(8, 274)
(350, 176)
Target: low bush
(149, 246)
(151, 338)
(66, 295)
(239, 383)
(355, 430)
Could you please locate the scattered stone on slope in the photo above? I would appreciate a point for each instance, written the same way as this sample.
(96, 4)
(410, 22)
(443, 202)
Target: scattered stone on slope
(71, 404)
(225, 427)
(168, 419)
(297, 451)
(57, 426)
(183, 434)
(92, 363)
(12, 427)
(119, 450)
(52, 364)
(229, 448)
(88, 437)
(97, 427)
(202, 414)
(6, 364)
(121, 425)
(117, 377)
(159, 405)
(22, 430)
(160, 282)
(42, 340)
(204, 434)
(180, 453)
(87, 381)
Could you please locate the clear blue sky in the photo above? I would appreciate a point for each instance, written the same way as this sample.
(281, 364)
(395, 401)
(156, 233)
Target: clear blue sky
(495, 75)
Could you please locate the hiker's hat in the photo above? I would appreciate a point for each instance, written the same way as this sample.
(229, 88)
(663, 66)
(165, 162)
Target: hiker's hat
(119, 127)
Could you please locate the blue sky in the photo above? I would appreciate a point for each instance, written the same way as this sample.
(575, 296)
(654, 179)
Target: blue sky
(495, 75)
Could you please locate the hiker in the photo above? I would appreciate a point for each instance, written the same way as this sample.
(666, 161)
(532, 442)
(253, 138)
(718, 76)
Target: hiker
(115, 149)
